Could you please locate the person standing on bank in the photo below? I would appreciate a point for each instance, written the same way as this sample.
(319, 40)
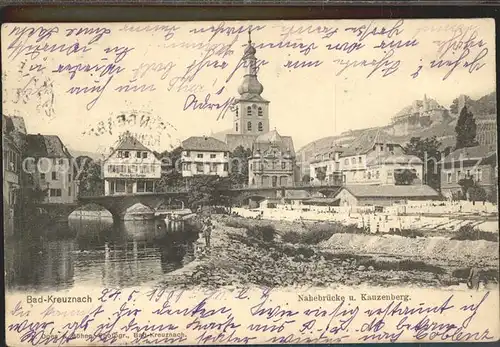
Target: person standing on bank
(474, 277)
(207, 231)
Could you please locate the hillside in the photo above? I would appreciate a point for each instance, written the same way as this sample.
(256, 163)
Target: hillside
(482, 108)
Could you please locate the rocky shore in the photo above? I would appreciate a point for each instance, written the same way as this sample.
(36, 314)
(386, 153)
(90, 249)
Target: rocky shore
(237, 257)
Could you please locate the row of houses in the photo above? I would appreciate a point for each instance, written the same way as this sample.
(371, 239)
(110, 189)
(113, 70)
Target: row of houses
(31, 163)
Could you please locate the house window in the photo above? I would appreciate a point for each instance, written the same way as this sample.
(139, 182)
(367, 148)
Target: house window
(377, 174)
(199, 167)
(479, 175)
(459, 173)
(144, 155)
(261, 113)
(119, 154)
(249, 111)
(225, 154)
(199, 155)
(236, 126)
(346, 161)
(213, 167)
(369, 175)
(261, 128)
(54, 176)
(468, 173)
(42, 176)
(69, 177)
(212, 156)
(120, 186)
(236, 112)
(225, 166)
(360, 160)
(126, 154)
(69, 191)
(149, 186)
(448, 177)
(141, 186)
(55, 192)
(249, 126)
(353, 160)
(138, 154)
(283, 165)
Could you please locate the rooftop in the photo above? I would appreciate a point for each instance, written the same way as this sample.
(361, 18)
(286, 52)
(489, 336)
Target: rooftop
(391, 191)
(365, 142)
(470, 153)
(204, 143)
(49, 146)
(129, 142)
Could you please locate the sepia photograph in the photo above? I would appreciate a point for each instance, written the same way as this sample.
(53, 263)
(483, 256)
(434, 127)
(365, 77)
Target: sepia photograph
(263, 182)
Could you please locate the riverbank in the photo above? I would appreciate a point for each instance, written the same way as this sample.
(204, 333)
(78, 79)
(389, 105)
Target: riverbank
(243, 256)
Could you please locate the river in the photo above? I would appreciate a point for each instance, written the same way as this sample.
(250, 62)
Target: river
(96, 253)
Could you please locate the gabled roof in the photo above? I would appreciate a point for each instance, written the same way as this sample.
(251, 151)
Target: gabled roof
(470, 153)
(365, 142)
(204, 143)
(387, 191)
(388, 158)
(271, 136)
(49, 146)
(235, 140)
(129, 142)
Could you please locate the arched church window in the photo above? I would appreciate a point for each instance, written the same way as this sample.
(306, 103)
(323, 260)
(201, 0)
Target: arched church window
(260, 112)
(249, 111)
(261, 127)
(249, 126)
(236, 126)
(236, 112)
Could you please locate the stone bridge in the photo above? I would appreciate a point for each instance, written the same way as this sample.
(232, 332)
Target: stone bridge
(118, 204)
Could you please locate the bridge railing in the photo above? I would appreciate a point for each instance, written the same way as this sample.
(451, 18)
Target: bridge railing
(89, 194)
(334, 183)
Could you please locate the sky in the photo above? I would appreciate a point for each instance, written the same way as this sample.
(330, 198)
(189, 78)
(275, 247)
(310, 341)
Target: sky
(41, 81)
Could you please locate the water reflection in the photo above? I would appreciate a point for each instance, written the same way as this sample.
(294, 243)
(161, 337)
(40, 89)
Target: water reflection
(98, 254)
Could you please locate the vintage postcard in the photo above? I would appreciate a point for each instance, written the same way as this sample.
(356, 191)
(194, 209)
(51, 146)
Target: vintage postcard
(266, 182)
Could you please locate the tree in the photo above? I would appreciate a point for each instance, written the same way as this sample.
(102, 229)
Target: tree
(321, 173)
(238, 165)
(428, 151)
(306, 178)
(466, 129)
(208, 191)
(404, 177)
(171, 174)
(477, 193)
(466, 184)
(454, 106)
(88, 173)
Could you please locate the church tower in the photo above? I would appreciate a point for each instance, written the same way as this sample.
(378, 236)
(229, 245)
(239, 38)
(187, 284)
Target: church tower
(251, 111)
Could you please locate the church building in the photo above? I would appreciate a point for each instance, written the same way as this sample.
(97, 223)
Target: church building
(272, 163)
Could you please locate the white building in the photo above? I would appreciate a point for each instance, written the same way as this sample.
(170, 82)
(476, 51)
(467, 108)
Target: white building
(376, 159)
(131, 168)
(327, 161)
(202, 155)
(52, 168)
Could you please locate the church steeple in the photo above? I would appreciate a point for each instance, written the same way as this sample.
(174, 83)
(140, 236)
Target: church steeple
(250, 85)
(251, 112)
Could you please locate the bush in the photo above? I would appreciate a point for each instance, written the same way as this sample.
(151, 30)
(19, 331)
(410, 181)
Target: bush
(319, 232)
(468, 232)
(291, 236)
(264, 233)
(412, 233)
(236, 223)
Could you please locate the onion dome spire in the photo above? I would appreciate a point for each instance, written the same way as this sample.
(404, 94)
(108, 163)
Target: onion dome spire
(250, 85)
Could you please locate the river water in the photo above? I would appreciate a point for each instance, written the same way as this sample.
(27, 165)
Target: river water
(96, 253)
